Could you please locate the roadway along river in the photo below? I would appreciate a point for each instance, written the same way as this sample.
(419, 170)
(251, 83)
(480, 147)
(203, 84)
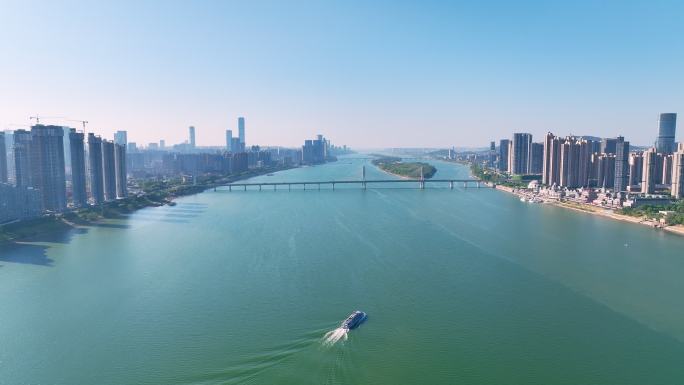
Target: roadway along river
(461, 287)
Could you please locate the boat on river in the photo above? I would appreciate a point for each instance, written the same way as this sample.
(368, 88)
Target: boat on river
(354, 320)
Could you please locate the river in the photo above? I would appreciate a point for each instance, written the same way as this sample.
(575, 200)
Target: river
(464, 286)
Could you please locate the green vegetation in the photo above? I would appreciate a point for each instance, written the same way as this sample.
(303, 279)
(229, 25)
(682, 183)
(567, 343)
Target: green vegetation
(154, 193)
(395, 166)
(32, 228)
(487, 175)
(676, 217)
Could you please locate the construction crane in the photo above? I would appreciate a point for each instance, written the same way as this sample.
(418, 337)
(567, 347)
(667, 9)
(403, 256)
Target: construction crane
(38, 118)
(83, 122)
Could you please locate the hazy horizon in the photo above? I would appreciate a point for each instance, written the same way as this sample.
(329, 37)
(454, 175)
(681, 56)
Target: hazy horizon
(386, 74)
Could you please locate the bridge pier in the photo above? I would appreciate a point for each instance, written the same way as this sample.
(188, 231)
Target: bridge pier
(230, 188)
(274, 187)
(304, 186)
(319, 187)
(364, 185)
(478, 184)
(465, 184)
(289, 187)
(259, 187)
(333, 185)
(451, 184)
(245, 187)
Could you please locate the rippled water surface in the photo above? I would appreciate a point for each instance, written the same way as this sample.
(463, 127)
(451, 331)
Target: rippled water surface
(461, 287)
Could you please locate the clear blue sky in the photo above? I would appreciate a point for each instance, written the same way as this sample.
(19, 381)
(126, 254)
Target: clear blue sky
(380, 73)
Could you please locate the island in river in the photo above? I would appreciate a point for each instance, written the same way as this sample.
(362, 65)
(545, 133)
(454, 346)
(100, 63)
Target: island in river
(396, 166)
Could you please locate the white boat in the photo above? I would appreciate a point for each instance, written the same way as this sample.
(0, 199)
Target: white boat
(522, 199)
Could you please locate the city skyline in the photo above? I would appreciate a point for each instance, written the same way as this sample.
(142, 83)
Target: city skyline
(401, 75)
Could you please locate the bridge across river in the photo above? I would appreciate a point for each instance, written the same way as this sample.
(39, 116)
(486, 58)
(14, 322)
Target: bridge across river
(363, 183)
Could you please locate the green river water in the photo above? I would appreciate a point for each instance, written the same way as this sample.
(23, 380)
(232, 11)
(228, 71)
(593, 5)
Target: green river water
(461, 287)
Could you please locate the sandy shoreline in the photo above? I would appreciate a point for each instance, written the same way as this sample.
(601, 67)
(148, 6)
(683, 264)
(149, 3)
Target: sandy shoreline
(607, 213)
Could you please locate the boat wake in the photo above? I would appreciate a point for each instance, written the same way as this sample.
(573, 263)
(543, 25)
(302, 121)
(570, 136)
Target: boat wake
(333, 336)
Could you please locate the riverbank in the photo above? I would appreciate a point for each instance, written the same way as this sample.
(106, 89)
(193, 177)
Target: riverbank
(603, 212)
(154, 194)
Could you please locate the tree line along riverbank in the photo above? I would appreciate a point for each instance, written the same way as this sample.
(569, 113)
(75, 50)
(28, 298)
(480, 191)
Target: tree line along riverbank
(669, 217)
(153, 193)
(396, 166)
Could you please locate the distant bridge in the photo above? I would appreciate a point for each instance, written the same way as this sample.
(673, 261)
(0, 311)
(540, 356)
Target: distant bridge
(316, 185)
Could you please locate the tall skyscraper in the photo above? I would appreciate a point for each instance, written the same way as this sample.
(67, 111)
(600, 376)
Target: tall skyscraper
(95, 169)
(191, 131)
(586, 149)
(608, 145)
(9, 147)
(229, 140)
(520, 155)
(636, 167)
(67, 150)
(678, 173)
(621, 165)
(3, 159)
(503, 155)
(548, 154)
(22, 158)
(551, 174)
(108, 170)
(536, 158)
(605, 171)
(666, 178)
(241, 131)
(236, 146)
(47, 165)
(649, 175)
(569, 163)
(78, 169)
(121, 137)
(667, 123)
(120, 170)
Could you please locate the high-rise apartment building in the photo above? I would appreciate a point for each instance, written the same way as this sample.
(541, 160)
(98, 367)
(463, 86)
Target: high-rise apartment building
(665, 143)
(236, 146)
(636, 166)
(229, 140)
(678, 173)
(666, 177)
(605, 171)
(79, 195)
(108, 170)
(22, 158)
(569, 163)
(621, 165)
(520, 153)
(649, 177)
(586, 149)
(241, 131)
(3, 159)
(121, 138)
(191, 132)
(47, 165)
(120, 170)
(503, 155)
(95, 169)
(537, 158)
(548, 155)
(608, 145)
(551, 169)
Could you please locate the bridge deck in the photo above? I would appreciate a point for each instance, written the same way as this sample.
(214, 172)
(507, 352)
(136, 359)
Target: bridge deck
(363, 183)
(354, 182)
